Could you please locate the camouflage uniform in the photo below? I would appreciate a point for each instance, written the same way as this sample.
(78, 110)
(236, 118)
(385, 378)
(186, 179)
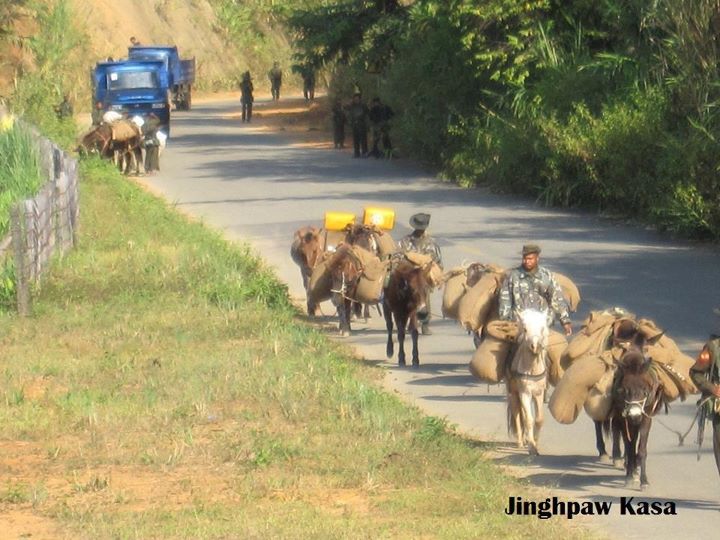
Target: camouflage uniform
(422, 244)
(537, 289)
(706, 374)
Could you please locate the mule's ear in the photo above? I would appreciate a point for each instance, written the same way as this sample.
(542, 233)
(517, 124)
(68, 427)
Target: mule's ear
(639, 341)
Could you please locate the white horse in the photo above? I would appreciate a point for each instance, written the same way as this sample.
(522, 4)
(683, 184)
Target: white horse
(527, 379)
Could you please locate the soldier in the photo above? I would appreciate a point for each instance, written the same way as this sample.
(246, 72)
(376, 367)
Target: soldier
(339, 118)
(531, 285)
(134, 42)
(421, 242)
(65, 108)
(705, 373)
(246, 96)
(358, 113)
(275, 76)
(151, 142)
(308, 76)
(380, 115)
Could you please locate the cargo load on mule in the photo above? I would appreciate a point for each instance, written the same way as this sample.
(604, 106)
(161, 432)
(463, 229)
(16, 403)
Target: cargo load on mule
(591, 358)
(478, 313)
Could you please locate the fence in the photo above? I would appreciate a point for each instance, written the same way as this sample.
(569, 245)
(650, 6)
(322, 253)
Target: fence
(44, 225)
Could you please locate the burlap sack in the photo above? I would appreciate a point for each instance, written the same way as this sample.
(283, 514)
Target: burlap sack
(320, 285)
(585, 343)
(573, 388)
(556, 345)
(676, 371)
(370, 284)
(124, 130)
(475, 305)
(503, 330)
(386, 244)
(569, 290)
(599, 400)
(433, 272)
(455, 288)
(489, 360)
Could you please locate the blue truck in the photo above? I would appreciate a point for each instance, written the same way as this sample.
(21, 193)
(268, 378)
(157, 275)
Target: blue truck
(180, 73)
(131, 88)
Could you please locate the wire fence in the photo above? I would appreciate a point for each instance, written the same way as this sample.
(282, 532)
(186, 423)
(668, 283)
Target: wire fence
(45, 225)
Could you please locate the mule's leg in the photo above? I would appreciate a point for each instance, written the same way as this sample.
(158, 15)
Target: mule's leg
(389, 349)
(414, 335)
(347, 305)
(644, 433)
(514, 422)
(401, 323)
(526, 402)
(539, 414)
(600, 441)
(618, 462)
(366, 312)
(630, 437)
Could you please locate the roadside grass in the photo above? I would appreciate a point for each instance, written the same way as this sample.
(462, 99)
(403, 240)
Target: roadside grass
(165, 388)
(19, 169)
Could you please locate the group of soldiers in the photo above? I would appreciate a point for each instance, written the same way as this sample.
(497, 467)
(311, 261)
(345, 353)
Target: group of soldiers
(362, 118)
(275, 76)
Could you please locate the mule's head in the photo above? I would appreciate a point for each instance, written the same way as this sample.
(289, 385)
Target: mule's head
(636, 393)
(413, 287)
(534, 330)
(310, 247)
(357, 234)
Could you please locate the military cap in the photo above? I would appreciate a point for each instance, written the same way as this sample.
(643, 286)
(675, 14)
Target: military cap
(530, 248)
(420, 221)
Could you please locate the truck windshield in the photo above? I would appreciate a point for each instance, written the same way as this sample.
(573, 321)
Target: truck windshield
(126, 80)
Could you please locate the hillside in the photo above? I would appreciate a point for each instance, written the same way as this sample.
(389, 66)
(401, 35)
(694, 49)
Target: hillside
(105, 28)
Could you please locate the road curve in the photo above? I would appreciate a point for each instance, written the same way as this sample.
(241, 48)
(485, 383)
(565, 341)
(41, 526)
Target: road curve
(259, 185)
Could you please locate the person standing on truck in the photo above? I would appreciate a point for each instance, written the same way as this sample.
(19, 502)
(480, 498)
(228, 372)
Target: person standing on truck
(134, 42)
(275, 76)
(246, 96)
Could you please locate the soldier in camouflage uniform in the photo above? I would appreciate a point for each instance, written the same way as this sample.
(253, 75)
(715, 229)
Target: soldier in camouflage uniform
(532, 286)
(705, 373)
(421, 242)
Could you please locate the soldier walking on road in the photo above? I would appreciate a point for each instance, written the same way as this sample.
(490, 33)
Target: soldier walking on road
(705, 373)
(275, 76)
(420, 241)
(308, 76)
(533, 286)
(246, 96)
(358, 113)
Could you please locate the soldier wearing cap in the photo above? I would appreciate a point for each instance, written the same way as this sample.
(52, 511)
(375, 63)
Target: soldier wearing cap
(421, 242)
(705, 373)
(533, 286)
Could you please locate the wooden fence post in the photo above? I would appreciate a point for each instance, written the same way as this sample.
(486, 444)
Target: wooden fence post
(17, 216)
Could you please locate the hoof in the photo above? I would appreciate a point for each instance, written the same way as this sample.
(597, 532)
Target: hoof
(604, 458)
(344, 333)
(619, 463)
(533, 451)
(644, 486)
(401, 363)
(631, 482)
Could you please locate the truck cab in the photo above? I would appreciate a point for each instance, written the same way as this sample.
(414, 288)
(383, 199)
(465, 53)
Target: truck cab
(131, 88)
(180, 73)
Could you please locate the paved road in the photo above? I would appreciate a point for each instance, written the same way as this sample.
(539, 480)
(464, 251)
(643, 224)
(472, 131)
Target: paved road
(260, 186)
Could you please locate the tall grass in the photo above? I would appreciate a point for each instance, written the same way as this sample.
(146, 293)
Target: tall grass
(19, 171)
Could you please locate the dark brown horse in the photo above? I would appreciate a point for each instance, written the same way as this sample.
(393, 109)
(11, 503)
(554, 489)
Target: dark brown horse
(124, 153)
(637, 396)
(405, 302)
(306, 250)
(97, 140)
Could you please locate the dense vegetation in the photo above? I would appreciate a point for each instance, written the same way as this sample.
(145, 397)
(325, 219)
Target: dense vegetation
(609, 104)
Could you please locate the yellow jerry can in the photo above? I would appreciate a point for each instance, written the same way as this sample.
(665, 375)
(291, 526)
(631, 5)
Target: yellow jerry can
(382, 218)
(337, 221)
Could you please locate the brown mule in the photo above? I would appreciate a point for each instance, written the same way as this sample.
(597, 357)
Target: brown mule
(404, 301)
(306, 251)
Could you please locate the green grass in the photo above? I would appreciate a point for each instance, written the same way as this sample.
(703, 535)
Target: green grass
(19, 171)
(165, 388)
